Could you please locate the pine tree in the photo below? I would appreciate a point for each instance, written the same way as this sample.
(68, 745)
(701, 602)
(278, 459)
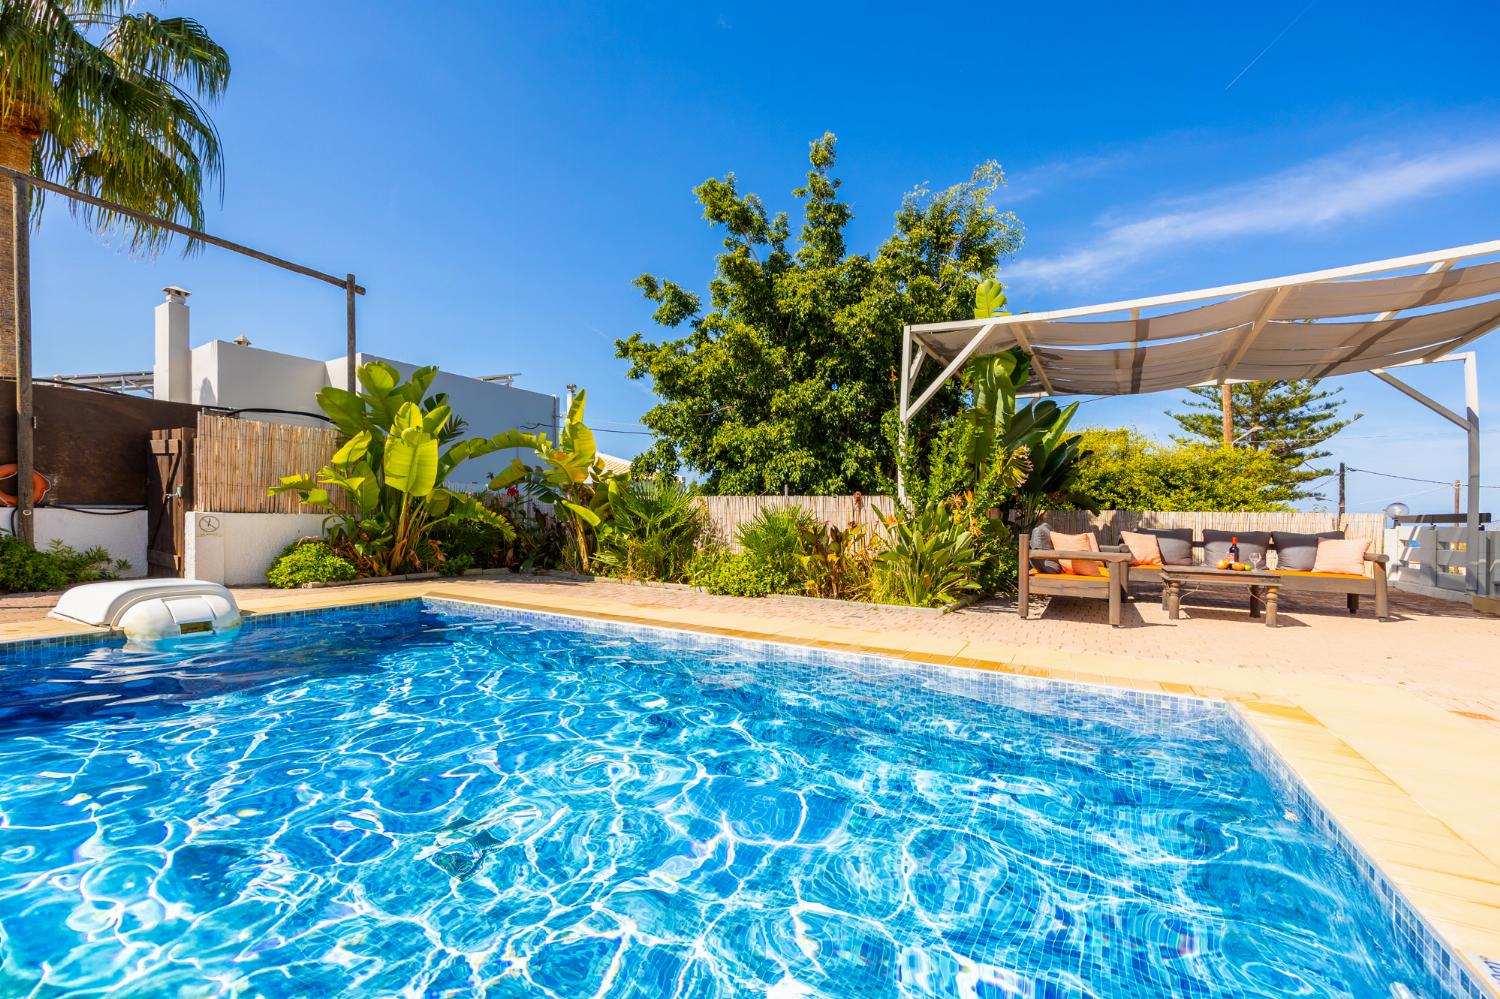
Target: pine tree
(1291, 420)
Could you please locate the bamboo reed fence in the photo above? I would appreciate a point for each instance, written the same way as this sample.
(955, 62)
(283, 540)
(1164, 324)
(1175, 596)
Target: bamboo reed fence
(237, 461)
(727, 513)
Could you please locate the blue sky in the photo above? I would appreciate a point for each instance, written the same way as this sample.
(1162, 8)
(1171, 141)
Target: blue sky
(496, 174)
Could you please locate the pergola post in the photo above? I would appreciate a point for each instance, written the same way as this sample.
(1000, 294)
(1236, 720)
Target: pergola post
(25, 522)
(1476, 567)
(904, 398)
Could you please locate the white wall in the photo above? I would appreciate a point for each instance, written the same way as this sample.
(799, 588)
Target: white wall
(123, 535)
(235, 376)
(237, 548)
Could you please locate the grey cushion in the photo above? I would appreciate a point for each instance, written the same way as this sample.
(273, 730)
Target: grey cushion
(1041, 540)
(1298, 552)
(1252, 543)
(1176, 544)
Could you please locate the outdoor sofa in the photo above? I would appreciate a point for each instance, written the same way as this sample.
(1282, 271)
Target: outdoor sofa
(1213, 545)
(1046, 571)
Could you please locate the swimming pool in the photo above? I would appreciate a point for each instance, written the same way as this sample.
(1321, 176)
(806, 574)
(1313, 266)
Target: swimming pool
(437, 798)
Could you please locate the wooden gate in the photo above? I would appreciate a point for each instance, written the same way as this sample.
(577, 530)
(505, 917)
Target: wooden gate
(169, 496)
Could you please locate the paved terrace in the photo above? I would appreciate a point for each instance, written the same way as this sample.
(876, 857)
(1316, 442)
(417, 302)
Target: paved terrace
(1395, 726)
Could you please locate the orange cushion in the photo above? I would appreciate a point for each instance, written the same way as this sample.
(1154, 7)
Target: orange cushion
(1085, 542)
(1343, 556)
(1103, 571)
(1311, 572)
(1144, 549)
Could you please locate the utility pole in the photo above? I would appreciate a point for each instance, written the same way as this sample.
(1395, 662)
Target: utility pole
(25, 522)
(1341, 492)
(1228, 408)
(1458, 492)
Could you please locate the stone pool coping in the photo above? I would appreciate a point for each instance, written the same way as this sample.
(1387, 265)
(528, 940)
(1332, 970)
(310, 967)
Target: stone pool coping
(1416, 788)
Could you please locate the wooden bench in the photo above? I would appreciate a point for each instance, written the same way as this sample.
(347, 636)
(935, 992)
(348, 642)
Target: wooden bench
(1112, 587)
(1374, 584)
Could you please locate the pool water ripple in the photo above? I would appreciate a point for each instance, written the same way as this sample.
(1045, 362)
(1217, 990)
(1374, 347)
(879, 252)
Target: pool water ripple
(427, 800)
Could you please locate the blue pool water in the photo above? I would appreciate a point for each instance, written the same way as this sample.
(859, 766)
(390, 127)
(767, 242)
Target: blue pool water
(434, 800)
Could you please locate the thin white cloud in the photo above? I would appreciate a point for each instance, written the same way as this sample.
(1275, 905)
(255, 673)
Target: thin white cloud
(1353, 184)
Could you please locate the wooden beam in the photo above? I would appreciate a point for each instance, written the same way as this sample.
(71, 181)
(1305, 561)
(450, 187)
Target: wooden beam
(350, 347)
(25, 522)
(170, 226)
(1036, 362)
(1247, 339)
(950, 370)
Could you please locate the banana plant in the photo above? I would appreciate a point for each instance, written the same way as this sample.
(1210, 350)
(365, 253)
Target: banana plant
(571, 476)
(1018, 454)
(384, 486)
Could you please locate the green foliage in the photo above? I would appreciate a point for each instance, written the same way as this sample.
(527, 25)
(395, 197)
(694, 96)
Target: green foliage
(24, 569)
(737, 574)
(1287, 420)
(653, 530)
(773, 542)
(471, 544)
(570, 477)
(1123, 470)
(930, 559)
(309, 560)
(390, 472)
(836, 561)
(784, 381)
(112, 98)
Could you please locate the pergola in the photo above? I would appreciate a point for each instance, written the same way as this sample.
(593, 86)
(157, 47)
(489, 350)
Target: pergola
(1340, 321)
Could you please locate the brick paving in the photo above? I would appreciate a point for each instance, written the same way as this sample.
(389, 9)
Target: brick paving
(1439, 650)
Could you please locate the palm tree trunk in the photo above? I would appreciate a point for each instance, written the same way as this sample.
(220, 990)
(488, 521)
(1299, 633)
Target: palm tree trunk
(15, 152)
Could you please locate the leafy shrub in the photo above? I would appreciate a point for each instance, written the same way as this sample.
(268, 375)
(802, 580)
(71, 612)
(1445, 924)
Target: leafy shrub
(735, 574)
(24, 569)
(773, 543)
(653, 530)
(836, 562)
(540, 543)
(309, 560)
(930, 559)
(470, 544)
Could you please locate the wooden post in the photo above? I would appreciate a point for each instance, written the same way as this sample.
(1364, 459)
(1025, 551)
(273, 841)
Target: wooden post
(1458, 493)
(25, 459)
(1228, 407)
(1341, 492)
(349, 291)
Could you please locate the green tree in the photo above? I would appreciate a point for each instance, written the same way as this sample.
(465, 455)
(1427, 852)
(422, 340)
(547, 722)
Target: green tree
(110, 101)
(1290, 420)
(786, 381)
(1123, 470)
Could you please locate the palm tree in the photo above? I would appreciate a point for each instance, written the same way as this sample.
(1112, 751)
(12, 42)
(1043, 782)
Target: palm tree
(110, 102)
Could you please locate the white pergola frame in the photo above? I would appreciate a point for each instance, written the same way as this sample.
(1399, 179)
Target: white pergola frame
(914, 354)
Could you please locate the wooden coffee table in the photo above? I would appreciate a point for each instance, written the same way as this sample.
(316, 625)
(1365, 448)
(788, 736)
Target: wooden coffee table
(1264, 586)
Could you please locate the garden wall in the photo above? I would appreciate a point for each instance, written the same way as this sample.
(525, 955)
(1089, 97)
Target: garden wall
(236, 549)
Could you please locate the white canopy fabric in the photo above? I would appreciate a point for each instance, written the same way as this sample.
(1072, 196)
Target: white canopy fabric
(1331, 322)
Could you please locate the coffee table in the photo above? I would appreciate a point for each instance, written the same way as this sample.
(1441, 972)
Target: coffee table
(1264, 586)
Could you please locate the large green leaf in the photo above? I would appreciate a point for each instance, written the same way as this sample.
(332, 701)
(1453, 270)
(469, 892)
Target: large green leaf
(354, 449)
(513, 474)
(345, 409)
(584, 513)
(989, 300)
(411, 462)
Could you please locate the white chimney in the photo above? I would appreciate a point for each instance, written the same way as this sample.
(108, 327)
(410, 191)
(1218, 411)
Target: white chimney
(172, 375)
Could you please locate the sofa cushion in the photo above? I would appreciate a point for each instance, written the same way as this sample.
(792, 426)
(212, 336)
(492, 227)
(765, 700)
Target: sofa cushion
(1298, 552)
(1252, 543)
(1176, 544)
(1341, 556)
(1085, 542)
(1144, 548)
(1041, 540)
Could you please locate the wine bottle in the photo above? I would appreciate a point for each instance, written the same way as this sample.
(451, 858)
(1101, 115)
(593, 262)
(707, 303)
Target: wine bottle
(1234, 549)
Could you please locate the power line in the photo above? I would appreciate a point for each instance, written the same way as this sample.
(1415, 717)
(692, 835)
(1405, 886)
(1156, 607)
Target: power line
(1407, 478)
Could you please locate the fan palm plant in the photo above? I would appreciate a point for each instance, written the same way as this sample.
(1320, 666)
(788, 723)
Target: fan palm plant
(111, 102)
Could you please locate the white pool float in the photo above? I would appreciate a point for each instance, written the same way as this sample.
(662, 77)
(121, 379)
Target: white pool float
(150, 610)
